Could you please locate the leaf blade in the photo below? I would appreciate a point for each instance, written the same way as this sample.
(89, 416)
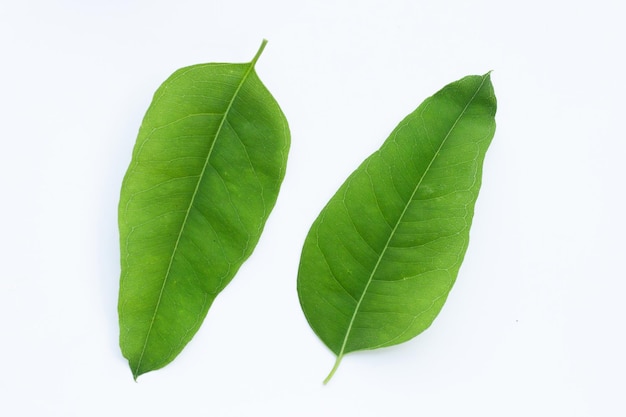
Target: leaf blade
(206, 169)
(399, 225)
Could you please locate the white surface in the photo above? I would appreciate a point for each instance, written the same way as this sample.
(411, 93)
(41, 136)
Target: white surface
(535, 323)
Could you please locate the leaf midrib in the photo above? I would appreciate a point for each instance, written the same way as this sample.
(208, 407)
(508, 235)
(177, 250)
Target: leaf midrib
(393, 231)
(191, 203)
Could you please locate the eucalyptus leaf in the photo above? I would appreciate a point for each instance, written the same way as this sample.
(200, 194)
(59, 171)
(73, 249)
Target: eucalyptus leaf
(205, 173)
(379, 261)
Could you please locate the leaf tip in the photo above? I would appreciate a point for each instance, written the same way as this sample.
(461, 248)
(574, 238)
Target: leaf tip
(136, 370)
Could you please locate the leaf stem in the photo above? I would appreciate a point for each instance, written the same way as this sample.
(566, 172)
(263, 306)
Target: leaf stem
(259, 52)
(332, 371)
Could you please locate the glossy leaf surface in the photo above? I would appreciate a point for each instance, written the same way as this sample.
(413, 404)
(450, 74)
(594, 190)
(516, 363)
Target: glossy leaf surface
(205, 173)
(381, 258)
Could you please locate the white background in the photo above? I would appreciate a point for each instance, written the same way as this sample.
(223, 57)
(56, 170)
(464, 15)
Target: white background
(535, 323)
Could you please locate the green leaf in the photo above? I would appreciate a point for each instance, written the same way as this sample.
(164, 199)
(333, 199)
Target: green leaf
(205, 173)
(381, 258)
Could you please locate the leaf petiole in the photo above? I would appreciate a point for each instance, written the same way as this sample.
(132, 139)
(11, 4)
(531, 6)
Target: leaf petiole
(332, 371)
(259, 52)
